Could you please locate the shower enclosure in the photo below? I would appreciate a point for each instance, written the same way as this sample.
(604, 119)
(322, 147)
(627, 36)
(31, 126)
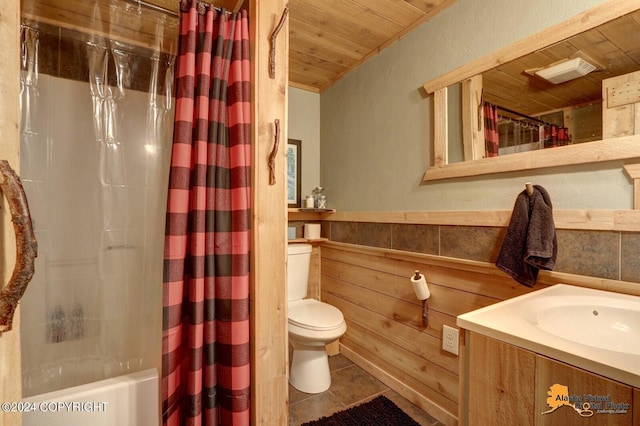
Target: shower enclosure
(96, 130)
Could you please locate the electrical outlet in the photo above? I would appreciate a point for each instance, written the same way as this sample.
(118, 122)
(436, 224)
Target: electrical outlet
(450, 339)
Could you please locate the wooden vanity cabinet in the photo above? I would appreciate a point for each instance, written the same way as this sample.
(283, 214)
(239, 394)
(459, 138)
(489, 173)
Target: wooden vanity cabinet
(505, 384)
(498, 383)
(580, 382)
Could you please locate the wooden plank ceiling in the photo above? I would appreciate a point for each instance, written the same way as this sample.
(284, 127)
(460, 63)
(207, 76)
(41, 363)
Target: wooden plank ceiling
(121, 20)
(329, 38)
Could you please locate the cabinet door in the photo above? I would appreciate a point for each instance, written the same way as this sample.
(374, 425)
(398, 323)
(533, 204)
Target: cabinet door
(562, 392)
(501, 380)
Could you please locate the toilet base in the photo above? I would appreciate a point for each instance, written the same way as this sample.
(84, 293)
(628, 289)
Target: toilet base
(309, 371)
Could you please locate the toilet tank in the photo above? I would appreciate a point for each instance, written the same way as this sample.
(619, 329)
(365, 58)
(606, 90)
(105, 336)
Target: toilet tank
(298, 258)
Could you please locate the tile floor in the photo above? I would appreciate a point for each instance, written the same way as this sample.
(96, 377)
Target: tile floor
(350, 385)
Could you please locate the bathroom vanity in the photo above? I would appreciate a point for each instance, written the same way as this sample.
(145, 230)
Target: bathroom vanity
(524, 362)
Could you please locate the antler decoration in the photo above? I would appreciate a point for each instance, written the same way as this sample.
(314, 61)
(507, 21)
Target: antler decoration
(26, 245)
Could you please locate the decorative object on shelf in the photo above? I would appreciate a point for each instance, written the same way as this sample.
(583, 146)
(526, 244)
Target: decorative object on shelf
(294, 175)
(291, 233)
(310, 202)
(322, 202)
(317, 193)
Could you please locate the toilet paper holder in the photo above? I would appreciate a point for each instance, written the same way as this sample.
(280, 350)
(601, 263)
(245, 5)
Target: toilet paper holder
(421, 289)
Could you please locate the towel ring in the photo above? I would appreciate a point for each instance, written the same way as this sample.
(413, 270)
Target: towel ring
(26, 245)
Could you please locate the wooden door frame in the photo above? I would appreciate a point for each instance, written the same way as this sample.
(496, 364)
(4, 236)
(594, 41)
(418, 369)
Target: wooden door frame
(10, 366)
(269, 343)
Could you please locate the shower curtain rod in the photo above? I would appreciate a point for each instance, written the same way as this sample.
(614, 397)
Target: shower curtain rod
(155, 7)
(515, 120)
(524, 115)
(165, 10)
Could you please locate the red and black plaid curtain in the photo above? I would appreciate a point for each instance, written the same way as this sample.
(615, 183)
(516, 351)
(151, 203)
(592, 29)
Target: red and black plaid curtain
(205, 342)
(556, 136)
(491, 135)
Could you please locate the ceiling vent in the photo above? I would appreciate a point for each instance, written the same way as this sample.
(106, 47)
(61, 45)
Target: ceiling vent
(565, 71)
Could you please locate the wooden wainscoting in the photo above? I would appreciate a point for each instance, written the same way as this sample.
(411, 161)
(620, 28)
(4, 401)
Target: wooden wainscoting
(313, 289)
(385, 336)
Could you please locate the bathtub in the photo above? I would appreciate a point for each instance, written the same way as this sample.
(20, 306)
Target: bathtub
(595, 330)
(130, 400)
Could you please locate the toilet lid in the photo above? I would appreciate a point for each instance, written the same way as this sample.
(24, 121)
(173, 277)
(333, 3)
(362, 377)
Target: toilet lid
(314, 315)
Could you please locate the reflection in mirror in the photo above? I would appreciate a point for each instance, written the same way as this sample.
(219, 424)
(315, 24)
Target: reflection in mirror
(533, 113)
(455, 148)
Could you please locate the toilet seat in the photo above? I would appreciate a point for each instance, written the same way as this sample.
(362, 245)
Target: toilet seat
(311, 314)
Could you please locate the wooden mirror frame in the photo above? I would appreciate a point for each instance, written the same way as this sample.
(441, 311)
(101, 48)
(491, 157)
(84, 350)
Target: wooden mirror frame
(589, 152)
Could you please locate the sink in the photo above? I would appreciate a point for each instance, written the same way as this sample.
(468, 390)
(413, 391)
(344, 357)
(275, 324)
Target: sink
(595, 330)
(596, 322)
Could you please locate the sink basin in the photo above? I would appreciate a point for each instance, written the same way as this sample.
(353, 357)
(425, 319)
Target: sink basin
(596, 322)
(595, 330)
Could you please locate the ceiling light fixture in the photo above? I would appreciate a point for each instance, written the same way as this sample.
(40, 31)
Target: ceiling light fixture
(565, 71)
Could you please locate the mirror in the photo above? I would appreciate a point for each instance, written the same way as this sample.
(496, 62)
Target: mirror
(607, 36)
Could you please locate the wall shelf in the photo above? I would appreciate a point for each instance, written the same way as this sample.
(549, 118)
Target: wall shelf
(308, 240)
(309, 214)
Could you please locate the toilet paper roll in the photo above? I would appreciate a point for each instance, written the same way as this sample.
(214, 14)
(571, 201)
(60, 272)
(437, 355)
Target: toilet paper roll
(312, 231)
(420, 287)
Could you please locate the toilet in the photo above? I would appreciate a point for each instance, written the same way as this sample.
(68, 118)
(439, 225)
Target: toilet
(311, 323)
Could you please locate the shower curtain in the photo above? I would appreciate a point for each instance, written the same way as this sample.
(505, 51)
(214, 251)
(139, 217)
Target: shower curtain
(96, 123)
(491, 136)
(206, 371)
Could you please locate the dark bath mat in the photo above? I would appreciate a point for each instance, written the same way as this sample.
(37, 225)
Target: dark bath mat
(377, 412)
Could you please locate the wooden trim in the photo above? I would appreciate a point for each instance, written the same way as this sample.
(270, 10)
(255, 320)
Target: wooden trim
(297, 214)
(269, 335)
(304, 87)
(591, 220)
(440, 128)
(586, 20)
(598, 151)
(589, 152)
(10, 360)
(633, 170)
(636, 405)
(444, 416)
(545, 278)
(472, 118)
(463, 382)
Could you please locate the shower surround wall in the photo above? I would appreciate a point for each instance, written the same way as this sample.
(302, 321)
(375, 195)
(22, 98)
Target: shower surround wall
(95, 148)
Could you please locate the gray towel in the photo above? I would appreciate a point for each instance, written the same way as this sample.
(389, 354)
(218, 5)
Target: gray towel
(530, 243)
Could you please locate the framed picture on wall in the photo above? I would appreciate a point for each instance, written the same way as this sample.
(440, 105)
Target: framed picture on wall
(294, 176)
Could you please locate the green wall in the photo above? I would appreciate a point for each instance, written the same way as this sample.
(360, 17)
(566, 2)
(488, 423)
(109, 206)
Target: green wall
(376, 130)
